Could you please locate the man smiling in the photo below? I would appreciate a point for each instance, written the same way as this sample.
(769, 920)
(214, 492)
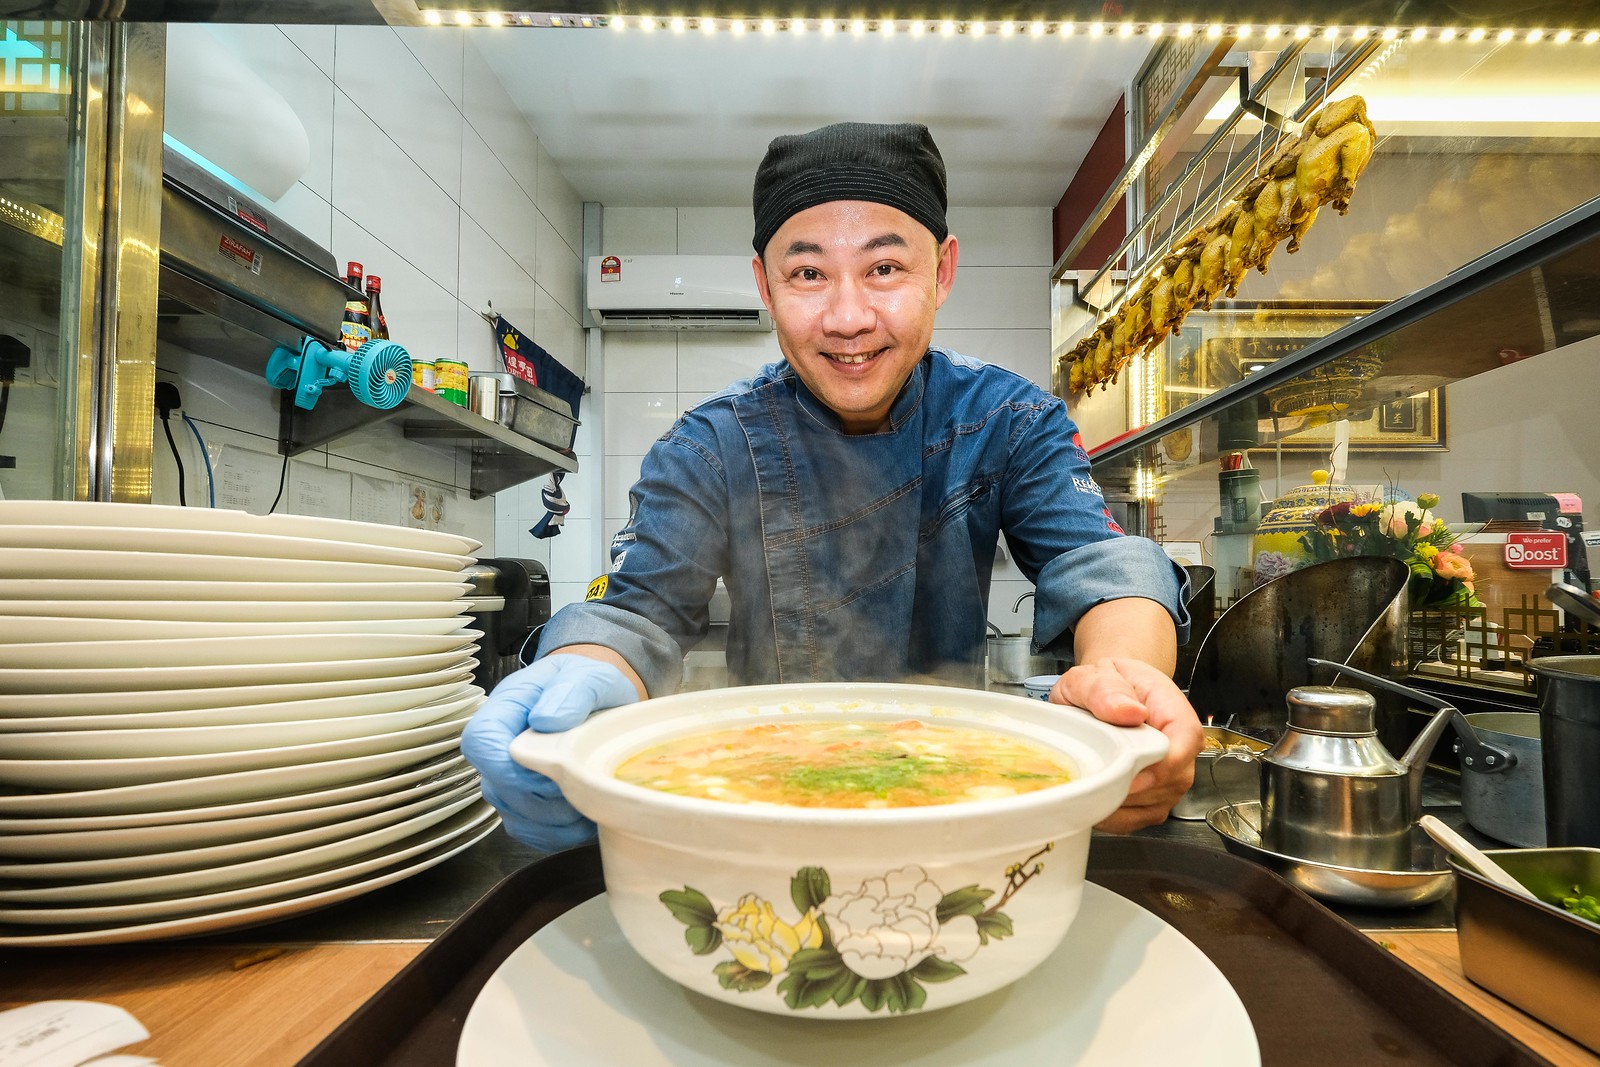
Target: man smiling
(851, 497)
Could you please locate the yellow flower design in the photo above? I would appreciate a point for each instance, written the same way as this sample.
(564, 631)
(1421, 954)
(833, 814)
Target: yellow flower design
(1369, 508)
(760, 940)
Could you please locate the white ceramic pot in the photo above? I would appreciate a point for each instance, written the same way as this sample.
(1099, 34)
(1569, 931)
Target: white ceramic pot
(843, 913)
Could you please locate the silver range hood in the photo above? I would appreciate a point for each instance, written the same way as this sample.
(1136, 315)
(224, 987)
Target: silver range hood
(236, 281)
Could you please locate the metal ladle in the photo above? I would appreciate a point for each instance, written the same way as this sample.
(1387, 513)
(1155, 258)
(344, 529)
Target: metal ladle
(1472, 856)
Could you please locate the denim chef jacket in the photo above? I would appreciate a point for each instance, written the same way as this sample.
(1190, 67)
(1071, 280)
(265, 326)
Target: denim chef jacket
(856, 558)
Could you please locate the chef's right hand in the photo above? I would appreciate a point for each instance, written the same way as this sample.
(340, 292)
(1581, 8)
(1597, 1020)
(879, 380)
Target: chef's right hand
(553, 694)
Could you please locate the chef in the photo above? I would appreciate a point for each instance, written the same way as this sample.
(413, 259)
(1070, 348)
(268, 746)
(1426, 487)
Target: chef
(851, 497)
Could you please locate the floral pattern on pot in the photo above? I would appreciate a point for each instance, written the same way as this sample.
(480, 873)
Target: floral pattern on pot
(878, 943)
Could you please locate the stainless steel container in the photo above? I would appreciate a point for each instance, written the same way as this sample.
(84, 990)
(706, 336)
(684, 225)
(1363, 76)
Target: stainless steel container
(1569, 724)
(1010, 661)
(535, 413)
(1533, 953)
(1221, 776)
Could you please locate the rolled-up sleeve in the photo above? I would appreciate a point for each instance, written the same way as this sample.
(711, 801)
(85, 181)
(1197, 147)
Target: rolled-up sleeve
(1064, 538)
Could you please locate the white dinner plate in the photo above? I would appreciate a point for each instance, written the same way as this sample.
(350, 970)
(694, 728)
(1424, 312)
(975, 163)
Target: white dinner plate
(461, 824)
(36, 629)
(332, 593)
(80, 563)
(37, 705)
(245, 611)
(238, 863)
(276, 650)
(78, 774)
(139, 840)
(245, 715)
(273, 783)
(1123, 988)
(222, 543)
(167, 517)
(448, 765)
(236, 918)
(47, 680)
(123, 743)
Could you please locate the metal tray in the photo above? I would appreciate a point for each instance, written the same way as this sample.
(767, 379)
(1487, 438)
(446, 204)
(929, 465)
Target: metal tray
(1317, 989)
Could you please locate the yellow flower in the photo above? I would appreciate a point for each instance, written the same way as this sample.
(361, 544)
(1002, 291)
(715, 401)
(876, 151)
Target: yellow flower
(1428, 500)
(1369, 508)
(760, 940)
(1426, 551)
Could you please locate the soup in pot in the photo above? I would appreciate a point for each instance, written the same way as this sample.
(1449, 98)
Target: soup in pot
(848, 764)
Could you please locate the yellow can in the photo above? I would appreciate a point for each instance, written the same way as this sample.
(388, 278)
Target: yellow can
(422, 374)
(450, 380)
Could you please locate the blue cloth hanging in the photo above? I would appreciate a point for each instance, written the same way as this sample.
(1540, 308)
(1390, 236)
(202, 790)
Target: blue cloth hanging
(556, 507)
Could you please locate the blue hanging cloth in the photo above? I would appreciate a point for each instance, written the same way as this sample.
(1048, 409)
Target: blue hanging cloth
(535, 366)
(556, 507)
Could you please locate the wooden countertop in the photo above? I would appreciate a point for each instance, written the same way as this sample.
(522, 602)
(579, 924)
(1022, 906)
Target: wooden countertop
(218, 1006)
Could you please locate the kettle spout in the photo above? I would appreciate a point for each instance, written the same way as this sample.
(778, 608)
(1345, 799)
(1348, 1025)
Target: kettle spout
(1415, 761)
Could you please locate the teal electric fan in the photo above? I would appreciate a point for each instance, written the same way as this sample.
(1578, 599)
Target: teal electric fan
(378, 373)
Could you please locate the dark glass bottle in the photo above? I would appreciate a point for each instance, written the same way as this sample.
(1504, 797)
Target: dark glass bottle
(380, 325)
(356, 330)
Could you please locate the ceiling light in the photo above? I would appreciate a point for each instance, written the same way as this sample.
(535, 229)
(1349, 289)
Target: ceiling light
(1007, 29)
(1447, 34)
(1591, 37)
(917, 28)
(1358, 34)
(1155, 29)
(432, 18)
(586, 22)
(1066, 29)
(736, 27)
(886, 27)
(1125, 30)
(797, 27)
(1504, 36)
(1477, 35)
(947, 28)
(677, 24)
(1096, 29)
(1419, 34)
(493, 18)
(1036, 28)
(977, 29)
(1214, 31)
(1302, 32)
(1563, 36)
(1271, 33)
(1242, 31)
(618, 23)
(858, 27)
(1185, 30)
(647, 24)
(826, 27)
(1390, 33)
(463, 18)
(1331, 33)
(708, 26)
(1534, 36)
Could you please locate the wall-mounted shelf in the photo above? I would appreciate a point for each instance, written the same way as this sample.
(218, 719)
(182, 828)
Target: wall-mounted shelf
(501, 458)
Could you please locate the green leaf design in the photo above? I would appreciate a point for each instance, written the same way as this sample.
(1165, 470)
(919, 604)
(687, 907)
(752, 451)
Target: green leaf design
(736, 976)
(689, 906)
(850, 990)
(816, 963)
(965, 901)
(912, 995)
(934, 969)
(703, 940)
(800, 991)
(809, 888)
(995, 924)
(872, 994)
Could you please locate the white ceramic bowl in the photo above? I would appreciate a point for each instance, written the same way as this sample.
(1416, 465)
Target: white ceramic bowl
(843, 913)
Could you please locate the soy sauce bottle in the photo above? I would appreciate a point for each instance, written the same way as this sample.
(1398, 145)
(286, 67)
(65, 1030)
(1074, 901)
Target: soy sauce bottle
(380, 325)
(356, 330)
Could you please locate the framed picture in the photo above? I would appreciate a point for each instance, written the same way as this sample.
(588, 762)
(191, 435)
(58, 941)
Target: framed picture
(1234, 340)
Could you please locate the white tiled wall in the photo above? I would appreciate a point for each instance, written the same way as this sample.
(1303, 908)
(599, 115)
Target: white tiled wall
(999, 311)
(422, 170)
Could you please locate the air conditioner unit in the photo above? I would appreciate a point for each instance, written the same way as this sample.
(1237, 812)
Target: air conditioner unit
(675, 293)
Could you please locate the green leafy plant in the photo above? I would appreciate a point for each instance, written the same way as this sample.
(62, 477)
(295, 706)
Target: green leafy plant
(1441, 574)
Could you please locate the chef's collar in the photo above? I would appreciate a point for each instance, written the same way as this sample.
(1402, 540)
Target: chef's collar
(905, 405)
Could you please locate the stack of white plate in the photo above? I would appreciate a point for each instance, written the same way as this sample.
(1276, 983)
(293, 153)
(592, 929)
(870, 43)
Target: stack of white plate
(210, 719)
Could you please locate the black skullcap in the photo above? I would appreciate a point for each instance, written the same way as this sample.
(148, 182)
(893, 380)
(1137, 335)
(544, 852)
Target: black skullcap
(895, 164)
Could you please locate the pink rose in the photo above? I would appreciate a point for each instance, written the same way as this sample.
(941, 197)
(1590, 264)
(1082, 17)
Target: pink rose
(1452, 565)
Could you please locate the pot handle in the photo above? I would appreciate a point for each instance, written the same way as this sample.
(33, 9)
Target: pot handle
(1477, 754)
(1147, 745)
(545, 753)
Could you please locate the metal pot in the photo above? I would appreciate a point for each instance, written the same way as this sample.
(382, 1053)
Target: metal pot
(1011, 661)
(1504, 798)
(1569, 723)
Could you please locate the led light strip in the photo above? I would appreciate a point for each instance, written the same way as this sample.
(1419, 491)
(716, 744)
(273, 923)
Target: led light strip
(713, 24)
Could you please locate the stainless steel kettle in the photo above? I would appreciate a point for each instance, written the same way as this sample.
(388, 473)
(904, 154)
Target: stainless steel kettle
(1330, 791)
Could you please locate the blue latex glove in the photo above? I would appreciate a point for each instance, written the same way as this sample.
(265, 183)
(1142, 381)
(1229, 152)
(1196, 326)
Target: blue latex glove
(553, 694)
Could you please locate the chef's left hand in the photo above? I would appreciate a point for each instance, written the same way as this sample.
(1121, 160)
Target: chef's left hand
(1127, 692)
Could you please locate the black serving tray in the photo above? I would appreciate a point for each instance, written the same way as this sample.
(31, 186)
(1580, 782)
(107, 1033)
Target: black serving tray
(1317, 990)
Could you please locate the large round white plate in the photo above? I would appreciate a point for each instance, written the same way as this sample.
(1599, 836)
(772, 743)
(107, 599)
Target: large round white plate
(240, 863)
(38, 629)
(245, 715)
(274, 783)
(46, 680)
(1123, 988)
(448, 766)
(278, 650)
(222, 543)
(461, 824)
(167, 517)
(215, 922)
(124, 743)
(138, 840)
(83, 563)
(105, 773)
(332, 593)
(245, 611)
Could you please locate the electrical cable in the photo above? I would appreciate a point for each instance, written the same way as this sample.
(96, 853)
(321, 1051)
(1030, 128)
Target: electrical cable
(283, 476)
(166, 424)
(5, 400)
(211, 476)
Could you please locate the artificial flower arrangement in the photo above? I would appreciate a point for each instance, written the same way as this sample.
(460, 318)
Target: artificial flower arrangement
(1441, 575)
